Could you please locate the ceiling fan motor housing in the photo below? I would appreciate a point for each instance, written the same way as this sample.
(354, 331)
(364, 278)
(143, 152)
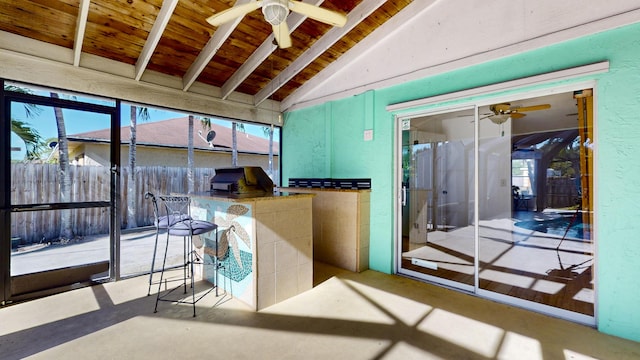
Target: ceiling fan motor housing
(275, 11)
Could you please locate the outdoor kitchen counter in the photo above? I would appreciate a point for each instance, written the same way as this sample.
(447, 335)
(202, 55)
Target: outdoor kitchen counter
(270, 244)
(341, 222)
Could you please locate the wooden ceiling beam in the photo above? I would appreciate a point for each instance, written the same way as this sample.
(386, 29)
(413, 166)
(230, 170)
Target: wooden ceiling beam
(81, 26)
(209, 51)
(168, 6)
(361, 12)
(262, 53)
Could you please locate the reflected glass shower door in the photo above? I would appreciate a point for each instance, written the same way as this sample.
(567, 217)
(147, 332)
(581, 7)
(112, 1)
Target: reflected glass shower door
(438, 173)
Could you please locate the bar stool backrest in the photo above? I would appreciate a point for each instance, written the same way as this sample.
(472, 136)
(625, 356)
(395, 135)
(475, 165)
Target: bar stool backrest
(171, 217)
(176, 207)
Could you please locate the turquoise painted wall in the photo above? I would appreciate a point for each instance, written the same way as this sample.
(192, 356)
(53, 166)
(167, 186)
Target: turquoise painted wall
(327, 141)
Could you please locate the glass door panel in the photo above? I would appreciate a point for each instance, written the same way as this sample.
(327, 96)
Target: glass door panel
(535, 242)
(43, 250)
(60, 197)
(160, 169)
(437, 212)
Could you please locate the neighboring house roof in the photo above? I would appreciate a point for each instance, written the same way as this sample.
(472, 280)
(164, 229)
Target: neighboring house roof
(175, 133)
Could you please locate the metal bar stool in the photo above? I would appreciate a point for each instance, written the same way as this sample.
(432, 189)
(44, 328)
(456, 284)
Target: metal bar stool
(177, 207)
(161, 223)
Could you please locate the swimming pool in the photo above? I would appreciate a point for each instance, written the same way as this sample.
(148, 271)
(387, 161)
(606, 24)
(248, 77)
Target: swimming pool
(558, 226)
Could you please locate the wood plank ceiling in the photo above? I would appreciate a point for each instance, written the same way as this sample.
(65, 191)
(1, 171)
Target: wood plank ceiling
(172, 37)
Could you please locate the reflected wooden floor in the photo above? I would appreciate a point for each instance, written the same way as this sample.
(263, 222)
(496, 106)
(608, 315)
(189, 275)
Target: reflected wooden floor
(528, 265)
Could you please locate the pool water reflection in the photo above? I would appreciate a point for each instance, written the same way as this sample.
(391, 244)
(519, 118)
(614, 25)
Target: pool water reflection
(571, 224)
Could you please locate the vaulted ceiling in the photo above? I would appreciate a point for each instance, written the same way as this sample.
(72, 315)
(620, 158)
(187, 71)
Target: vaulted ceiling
(172, 37)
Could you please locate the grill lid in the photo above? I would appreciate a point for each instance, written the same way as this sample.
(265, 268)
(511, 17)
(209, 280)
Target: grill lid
(241, 180)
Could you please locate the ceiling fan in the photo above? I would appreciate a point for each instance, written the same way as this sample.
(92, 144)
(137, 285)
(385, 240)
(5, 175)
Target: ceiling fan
(275, 13)
(502, 112)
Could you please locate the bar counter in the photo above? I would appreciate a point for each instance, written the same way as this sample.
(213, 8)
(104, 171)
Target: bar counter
(265, 246)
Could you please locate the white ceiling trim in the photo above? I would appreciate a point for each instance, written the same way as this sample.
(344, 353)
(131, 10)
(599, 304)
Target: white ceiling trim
(261, 54)
(81, 27)
(168, 6)
(356, 16)
(209, 51)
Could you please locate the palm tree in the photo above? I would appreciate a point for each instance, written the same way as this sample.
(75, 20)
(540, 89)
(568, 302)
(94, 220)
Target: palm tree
(234, 142)
(268, 131)
(205, 122)
(66, 231)
(132, 206)
(190, 162)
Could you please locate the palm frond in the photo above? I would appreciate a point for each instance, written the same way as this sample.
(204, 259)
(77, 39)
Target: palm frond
(29, 136)
(26, 133)
(143, 113)
(205, 122)
(30, 110)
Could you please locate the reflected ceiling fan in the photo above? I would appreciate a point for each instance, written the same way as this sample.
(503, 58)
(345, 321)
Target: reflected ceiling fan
(502, 112)
(275, 13)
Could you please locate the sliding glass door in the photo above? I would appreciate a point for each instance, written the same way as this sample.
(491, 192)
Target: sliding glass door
(437, 197)
(535, 240)
(529, 240)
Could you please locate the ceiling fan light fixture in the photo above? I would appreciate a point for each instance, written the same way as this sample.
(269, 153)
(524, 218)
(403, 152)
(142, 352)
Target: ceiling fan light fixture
(499, 119)
(275, 11)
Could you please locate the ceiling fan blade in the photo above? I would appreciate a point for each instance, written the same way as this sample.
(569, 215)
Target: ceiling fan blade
(517, 115)
(281, 33)
(233, 13)
(531, 108)
(482, 117)
(317, 13)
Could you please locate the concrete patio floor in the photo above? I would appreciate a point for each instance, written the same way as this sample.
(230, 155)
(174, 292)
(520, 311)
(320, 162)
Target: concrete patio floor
(136, 252)
(347, 315)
